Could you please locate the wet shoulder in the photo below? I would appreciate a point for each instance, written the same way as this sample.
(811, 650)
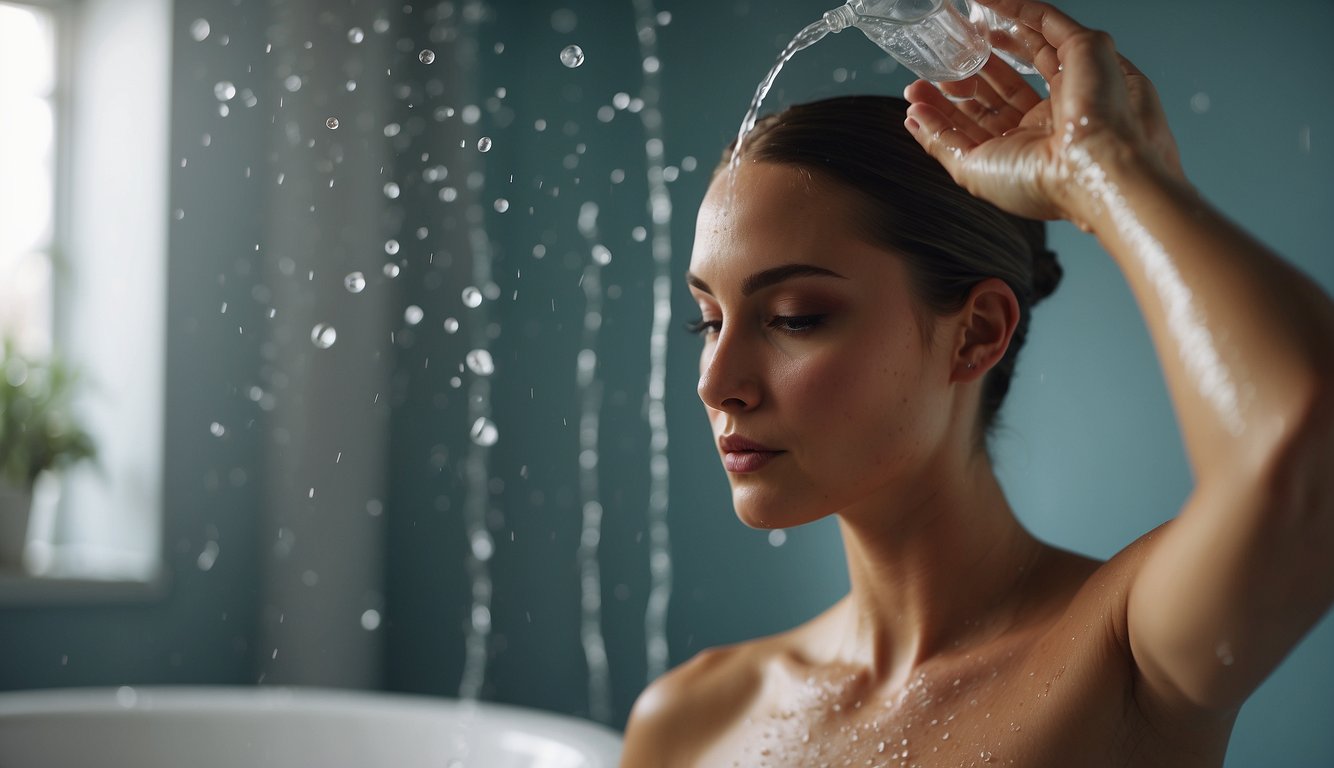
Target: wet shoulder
(684, 710)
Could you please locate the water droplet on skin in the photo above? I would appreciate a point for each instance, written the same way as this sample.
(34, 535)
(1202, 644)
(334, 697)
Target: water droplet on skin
(427, 56)
(355, 35)
(472, 298)
(986, 757)
(484, 144)
(199, 30)
(323, 335)
(332, 123)
(480, 362)
(1224, 653)
(572, 56)
(225, 91)
(355, 282)
(484, 432)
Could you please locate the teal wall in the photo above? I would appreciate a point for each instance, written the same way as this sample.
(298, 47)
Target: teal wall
(1090, 456)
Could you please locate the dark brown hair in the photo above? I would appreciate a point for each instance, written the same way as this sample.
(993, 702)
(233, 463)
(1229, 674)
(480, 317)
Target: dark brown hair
(950, 240)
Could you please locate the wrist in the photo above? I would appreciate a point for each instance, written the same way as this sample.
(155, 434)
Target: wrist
(1098, 170)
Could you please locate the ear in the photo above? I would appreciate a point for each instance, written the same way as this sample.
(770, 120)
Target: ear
(986, 325)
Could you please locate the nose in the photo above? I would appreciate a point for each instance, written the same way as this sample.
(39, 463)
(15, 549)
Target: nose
(729, 375)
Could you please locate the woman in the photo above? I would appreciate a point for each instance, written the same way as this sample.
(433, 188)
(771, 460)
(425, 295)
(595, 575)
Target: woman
(859, 337)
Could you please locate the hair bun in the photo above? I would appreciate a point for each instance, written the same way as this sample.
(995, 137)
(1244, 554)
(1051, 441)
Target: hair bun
(1047, 273)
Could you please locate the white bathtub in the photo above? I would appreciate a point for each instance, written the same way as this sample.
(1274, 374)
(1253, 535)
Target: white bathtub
(288, 727)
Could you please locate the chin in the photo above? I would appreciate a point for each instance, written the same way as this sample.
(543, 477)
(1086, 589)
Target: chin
(762, 511)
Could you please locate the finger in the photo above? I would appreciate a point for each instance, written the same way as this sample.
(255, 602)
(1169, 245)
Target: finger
(1055, 26)
(1005, 89)
(922, 92)
(1052, 27)
(939, 137)
(1020, 41)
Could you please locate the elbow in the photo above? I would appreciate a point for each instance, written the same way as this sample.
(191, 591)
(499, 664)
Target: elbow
(1295, 469)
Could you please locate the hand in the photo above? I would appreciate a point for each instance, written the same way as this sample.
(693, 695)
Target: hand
(1036, 157)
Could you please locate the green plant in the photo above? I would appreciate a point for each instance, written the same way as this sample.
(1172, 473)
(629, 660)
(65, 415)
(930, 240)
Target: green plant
(37, 428)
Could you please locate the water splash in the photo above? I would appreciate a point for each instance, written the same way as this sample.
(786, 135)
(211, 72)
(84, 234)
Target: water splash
(660, 209)
(477, 465)
(807, 37)
(590, 397)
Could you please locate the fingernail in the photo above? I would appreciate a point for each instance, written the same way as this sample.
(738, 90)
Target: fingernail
(912, 125)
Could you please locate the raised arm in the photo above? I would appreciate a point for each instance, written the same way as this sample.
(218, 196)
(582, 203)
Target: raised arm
(1246, 344)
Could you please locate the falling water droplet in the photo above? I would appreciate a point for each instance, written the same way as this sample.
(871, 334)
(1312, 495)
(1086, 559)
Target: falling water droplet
(217, 429)
(391, 247)
(370, 620)
(451, 325)
(225, 91)
(480, 362)
(427, 56)
(323, 335)
(391, 270)
(391, 191)
(572, 56)
(208, 557)
(777, 538)
(355, 282)
(484, 432)
(332, 123)
(355, 35)
(413, 315)
(199, 30)
(601, 255)
(484, 144)
(482, 546)
(472, 298)
(502, 205)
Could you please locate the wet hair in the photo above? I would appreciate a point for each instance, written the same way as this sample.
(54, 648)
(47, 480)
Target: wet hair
(950, 240)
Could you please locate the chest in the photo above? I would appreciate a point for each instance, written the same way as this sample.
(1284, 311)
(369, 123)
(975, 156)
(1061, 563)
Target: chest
(1012, 707)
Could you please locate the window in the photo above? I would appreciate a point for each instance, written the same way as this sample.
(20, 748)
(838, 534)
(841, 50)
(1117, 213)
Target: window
(27, 174)
(84, 163)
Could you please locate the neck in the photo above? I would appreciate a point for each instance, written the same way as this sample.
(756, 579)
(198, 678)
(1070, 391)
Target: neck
(934, 573)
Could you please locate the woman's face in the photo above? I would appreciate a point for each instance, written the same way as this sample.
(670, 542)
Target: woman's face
(820, 393)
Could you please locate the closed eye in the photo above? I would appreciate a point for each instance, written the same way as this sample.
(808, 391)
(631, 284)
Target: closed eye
(796, 323)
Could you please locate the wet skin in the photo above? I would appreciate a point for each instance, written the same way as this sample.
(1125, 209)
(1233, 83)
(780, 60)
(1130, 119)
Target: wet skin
(965, 636)
(961, 633)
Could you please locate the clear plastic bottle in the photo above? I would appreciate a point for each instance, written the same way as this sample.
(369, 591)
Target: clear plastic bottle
(939, 40)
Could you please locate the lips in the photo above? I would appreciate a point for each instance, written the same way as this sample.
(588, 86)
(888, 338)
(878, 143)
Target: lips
(742, 455)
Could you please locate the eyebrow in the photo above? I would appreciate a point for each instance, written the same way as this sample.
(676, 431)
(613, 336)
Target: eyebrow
(769, 277)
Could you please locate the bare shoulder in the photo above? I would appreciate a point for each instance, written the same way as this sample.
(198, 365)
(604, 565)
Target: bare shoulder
(679, 713)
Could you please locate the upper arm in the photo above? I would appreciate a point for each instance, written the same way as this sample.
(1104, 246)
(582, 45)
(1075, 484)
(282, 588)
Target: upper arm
(1245, 570)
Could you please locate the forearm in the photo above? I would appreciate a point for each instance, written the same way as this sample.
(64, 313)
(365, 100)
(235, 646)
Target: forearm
(1244, 339)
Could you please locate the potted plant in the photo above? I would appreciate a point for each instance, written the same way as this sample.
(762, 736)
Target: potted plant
(38, 433)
